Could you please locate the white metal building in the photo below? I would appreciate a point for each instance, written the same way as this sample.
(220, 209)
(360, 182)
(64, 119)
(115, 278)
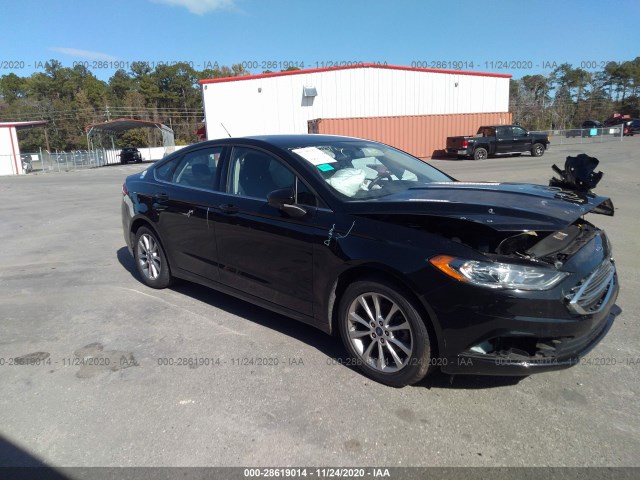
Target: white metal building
(10, 163)
(284, 102)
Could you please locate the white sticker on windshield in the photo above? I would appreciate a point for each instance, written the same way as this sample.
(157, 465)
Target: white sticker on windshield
(314, 155)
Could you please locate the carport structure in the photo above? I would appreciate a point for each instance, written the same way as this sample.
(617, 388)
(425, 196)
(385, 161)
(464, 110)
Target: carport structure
(10, 163)
(103, 135)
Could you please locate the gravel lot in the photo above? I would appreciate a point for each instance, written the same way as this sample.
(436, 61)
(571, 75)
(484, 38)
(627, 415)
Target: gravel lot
(68, 291)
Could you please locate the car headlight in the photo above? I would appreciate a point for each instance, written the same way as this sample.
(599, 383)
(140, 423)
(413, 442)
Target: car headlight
(497, 274)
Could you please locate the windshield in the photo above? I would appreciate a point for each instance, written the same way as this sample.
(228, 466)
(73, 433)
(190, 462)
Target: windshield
(364, 170)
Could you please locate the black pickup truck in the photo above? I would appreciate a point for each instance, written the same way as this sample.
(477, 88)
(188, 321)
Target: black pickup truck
(491, 140)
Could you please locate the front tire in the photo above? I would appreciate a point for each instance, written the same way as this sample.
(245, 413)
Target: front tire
(537, 150)
(151, 261)
(383, 332)
(480, 154)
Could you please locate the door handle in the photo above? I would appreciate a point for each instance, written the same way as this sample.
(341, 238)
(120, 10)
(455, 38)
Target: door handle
(161, 197)
(228, 208)
(160, 201)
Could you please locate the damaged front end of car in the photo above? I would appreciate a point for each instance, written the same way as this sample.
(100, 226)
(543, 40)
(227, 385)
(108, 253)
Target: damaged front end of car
(541, 293)
(551, 300)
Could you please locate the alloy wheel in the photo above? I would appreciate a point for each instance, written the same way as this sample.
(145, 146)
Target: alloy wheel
(379, 332)
(149, 259)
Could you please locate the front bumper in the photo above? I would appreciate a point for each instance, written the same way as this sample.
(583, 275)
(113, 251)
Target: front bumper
(517, 364)
(520, 333)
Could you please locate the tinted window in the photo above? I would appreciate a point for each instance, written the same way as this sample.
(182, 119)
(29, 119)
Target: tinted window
(255, 173)
(305, 196)
(163, 172)
(486, 132)
(503, 132)
(198, 169)
(519, 132)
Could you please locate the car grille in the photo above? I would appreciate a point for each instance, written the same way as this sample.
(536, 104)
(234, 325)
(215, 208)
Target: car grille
(593, 292)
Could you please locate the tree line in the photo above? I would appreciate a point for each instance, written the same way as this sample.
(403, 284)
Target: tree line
(568, 96)
(71, 98)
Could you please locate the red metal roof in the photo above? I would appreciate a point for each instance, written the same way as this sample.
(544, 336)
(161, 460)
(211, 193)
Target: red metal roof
(123, 124)
(361, 65)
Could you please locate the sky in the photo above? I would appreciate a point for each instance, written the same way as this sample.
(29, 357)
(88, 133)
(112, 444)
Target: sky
(514, 37)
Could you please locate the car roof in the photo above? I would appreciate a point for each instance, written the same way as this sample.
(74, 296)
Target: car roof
(294, 140)
(282, 142)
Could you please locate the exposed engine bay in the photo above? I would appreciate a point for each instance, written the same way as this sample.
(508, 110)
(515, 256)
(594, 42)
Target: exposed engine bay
(553, 247)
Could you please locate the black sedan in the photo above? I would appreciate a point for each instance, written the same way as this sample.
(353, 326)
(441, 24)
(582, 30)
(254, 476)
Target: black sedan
(413, 269)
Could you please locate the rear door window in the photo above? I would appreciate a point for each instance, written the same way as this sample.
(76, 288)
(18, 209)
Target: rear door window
(198, 169)
(503, 132)
(164, 172)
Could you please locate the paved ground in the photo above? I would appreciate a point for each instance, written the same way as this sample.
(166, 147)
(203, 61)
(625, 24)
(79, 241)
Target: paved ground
(67, 292)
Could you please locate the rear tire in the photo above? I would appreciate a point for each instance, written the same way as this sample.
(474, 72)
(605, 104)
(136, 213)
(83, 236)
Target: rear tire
(537, 150)
(480, 154)
(151, 261)
(383, 332)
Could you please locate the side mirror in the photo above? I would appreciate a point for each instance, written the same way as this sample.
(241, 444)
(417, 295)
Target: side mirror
(284, 200)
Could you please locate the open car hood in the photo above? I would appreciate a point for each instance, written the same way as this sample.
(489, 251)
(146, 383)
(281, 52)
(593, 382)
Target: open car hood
(501, 206)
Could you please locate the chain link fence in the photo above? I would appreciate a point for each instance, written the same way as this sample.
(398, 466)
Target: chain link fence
(45, 162)
(577, 136)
